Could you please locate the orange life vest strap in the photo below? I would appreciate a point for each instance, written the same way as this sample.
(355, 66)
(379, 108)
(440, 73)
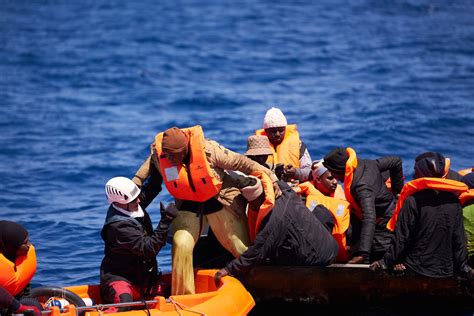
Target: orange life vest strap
(351, 165)
(196, 182)
(255, 217)
(420, 184)
(14, 277)
(466, 196)
(288, 152)
(466, 171)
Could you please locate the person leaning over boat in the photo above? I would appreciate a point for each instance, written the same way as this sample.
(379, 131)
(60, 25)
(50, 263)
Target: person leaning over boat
(467, 202)
(283, 231)
(290, 157)
(129, 269)
(17, 268)
(194, 172)
(371, 202)
(429, 234)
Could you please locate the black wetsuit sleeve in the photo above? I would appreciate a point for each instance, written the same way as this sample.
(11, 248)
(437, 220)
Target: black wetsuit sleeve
(405, 226)
(152, 187)
(394, 165)
(366, 198)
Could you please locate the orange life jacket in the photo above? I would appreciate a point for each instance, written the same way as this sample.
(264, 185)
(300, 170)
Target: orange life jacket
(255, 217)
(14, 277)
(194, 182)
(339, 193)
(466, 171)
(466, 196)
(423, 184)
(339, 210)
(351, 165)
(288, 152)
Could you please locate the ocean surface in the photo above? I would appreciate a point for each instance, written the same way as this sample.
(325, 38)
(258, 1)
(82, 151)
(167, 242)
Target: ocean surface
(86, 85)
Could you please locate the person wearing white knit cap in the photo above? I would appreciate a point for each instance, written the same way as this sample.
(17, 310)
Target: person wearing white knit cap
(288, 151)
(324, 181)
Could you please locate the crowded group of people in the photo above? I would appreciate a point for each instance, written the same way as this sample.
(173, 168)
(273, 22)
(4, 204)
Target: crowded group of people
(274, 205)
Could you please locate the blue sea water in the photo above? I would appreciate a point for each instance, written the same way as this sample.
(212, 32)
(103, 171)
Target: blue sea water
(85, 86)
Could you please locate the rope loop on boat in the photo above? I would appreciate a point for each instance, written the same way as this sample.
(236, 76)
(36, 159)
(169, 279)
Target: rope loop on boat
(181, 306)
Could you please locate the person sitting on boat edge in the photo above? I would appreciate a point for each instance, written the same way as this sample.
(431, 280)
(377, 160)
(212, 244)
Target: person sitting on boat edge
(17, 268)
(467, 202)
(282, 230)
(194, 171)
(371, 202)
(429, 236)
(129, 269)
(290, 158)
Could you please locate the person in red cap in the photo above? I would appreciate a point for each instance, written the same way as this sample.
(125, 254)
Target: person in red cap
(193, 170)
(372, 203)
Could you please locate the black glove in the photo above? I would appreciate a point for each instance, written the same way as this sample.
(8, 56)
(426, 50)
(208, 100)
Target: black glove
(168, 213)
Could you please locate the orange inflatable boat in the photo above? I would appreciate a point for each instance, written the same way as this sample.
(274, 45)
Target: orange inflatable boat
(231, 298)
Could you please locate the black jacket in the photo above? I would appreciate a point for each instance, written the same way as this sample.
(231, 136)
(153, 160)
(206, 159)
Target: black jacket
(370, 192)
(429, 236)
(131, 246)
(290, 235)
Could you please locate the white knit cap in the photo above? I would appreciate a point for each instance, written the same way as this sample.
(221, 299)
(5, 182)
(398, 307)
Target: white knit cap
(252, 192)
(274, 118)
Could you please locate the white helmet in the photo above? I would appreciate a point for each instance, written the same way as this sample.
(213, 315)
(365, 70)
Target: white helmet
(121, 190)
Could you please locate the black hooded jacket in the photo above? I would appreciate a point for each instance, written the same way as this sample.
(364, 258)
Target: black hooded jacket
(370, 192)
(429, 236)
(131, 247)
(290, 235)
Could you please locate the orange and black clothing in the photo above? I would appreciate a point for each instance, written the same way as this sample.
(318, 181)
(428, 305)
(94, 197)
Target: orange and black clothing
(131, 247)
(288, 235)
(291, 151)
(372, 203)
(429, 235)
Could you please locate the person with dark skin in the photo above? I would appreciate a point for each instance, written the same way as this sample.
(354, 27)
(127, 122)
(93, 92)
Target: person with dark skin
(290, 158)
(372, 204)
(14, 246)
(429, 237)
(129, 269)
(285, 233)
(324, 181)
(258, 149)
(195, 171)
